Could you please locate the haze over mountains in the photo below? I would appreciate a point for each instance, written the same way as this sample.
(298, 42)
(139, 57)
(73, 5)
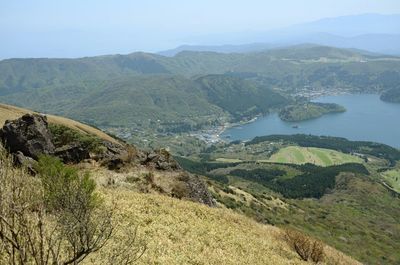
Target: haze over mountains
(371, 32)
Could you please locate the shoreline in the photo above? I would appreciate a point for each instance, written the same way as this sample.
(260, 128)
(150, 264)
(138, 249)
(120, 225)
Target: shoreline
(212, 135)
(227, 126)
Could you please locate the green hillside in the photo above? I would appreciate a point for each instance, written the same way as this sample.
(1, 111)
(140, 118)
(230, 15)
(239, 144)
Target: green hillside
(149, 94)
(316, 156)
(167, 103)
(61, 85)
(239, 97)
(350, 200)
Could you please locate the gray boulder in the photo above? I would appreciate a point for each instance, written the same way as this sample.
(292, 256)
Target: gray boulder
(196, 189)
(161, 160)
(25, 161)
(72, 153)
(29, 135)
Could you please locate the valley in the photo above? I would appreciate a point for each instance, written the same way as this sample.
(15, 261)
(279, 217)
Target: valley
(200, 132)
(247, 125)
(148, 94)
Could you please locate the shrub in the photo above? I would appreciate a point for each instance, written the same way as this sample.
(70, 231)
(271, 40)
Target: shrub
(149, 177)
(180, 190)
(65, 187)
(55, 218)
(63, 135)
(130, 155)
(132, 179)
(306, 247)
(228, 190)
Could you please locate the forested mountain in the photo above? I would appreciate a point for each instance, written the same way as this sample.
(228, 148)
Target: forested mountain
(191, 89)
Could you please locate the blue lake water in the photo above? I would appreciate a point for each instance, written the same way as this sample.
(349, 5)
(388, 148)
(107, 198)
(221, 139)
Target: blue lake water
(367, 119)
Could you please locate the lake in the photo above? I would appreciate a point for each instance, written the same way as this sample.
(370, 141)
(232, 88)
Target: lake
(367, 119)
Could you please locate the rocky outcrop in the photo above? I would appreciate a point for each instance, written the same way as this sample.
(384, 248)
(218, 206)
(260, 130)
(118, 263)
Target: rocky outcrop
(29, 135)
(197, 190)
(160, 159)
(29, 163)
(115, 156)
(72, 153)
(113, 162)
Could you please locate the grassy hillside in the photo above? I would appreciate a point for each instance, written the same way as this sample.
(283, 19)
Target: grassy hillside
(174, 231)
(351, 200)
(8, 112)
(181, 232)
(392, 178)
(356, 213)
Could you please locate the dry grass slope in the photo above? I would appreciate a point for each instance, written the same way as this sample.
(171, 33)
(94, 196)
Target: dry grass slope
(8, 112)
(183, 232)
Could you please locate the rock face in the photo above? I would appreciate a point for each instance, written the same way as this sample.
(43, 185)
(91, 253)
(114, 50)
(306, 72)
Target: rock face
(25, 161)
(115, 156)
(197, 190)
(72, 153)
(29, 135)
(161, 160)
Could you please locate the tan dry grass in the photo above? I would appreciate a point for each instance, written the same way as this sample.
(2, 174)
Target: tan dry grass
(183, 232)
(8, 112)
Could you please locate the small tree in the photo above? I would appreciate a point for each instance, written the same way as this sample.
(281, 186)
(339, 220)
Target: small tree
(57, 218)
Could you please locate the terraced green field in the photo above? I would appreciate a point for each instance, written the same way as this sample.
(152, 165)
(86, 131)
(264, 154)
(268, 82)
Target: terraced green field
(392, 178)
(228, 160)
(317, 156)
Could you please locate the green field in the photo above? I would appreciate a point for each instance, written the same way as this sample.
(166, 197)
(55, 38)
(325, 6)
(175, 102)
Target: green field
(228, 160)
(317, 156)
(392, 178)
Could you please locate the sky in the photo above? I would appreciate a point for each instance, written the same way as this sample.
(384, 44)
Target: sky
(51, 28)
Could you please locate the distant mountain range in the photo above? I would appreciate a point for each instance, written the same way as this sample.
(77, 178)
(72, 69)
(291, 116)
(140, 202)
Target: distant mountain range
(244, 48)
(371, 32)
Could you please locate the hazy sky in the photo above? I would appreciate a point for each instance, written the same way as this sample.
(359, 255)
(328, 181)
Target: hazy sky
(152, 25)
